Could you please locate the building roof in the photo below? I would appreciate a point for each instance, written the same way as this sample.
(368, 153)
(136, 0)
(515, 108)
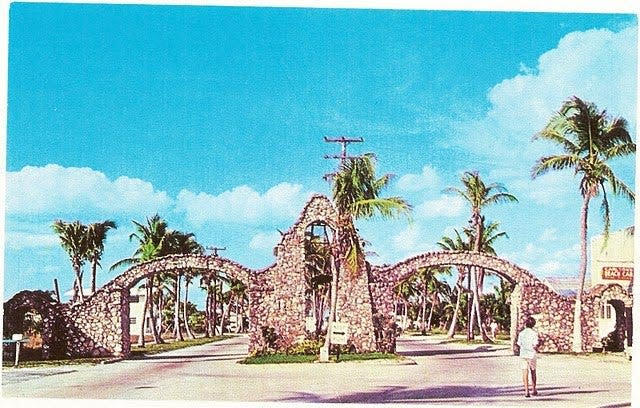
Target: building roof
(564, 286)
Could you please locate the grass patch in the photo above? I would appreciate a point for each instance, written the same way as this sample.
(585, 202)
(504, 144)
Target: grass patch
(55, 363)
(153, 348)
(280, 358)
(136, 353)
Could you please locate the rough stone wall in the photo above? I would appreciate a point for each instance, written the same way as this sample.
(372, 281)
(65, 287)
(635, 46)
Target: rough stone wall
(54, 320)
(278, 293)
(100, 325)
(553, 312)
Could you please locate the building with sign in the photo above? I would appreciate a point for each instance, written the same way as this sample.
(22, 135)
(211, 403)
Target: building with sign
(612, 263)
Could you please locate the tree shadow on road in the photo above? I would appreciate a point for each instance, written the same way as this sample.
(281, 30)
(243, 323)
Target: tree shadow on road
(199, 357)
(438, 352)
(449, 394)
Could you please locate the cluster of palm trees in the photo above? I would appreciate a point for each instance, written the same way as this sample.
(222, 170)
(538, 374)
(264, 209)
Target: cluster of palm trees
(589, 139)
(83, 243)
(425, 288)
(167, 293)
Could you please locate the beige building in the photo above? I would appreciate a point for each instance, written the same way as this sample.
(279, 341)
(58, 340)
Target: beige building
(612, 264)
(137, 297)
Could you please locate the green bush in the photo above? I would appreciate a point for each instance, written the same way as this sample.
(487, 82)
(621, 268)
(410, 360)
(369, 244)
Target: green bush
(306, 347)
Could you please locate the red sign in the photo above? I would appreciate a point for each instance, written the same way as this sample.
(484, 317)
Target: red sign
(617, 272)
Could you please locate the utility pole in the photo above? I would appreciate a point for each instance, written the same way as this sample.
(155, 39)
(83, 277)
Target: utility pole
(214, 250)
(344, 142)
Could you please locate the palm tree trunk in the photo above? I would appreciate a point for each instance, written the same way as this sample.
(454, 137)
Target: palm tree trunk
(454, 318)
(79, 294)
(176, 310)
(226, 313)
(185, 315)
(577, 314)
(153, 311)
(424, 310)
(476, 306)
(94, 266)
(214, 307)
(333, 303)
(145, 310)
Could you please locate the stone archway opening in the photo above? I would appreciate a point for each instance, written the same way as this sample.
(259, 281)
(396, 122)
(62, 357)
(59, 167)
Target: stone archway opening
(613, 325)
(36, 315)
(317, 245)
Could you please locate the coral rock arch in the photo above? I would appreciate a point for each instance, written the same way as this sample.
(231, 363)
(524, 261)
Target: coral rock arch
(53, 324)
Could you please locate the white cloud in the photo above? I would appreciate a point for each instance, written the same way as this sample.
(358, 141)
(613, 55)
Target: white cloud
(596, 65)
(54, 189)
(427, 180)
(407, 239)
(243, 205)
(445, 206)
(25, 240)
(265, 240)
(549, 234)
(552, 189)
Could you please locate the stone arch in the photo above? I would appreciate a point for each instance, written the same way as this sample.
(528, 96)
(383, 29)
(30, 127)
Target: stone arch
(529, 296)
(621, 301)
(503, 268)
(180, 262)
(53, 320)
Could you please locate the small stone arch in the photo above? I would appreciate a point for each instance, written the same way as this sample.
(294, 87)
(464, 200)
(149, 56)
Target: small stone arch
(530, 297)
(53, 322)
(619, 299)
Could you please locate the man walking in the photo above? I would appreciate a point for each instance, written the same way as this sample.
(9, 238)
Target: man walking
(528, 343)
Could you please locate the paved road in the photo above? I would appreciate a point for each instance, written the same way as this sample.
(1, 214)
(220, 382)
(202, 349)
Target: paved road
(434, 373)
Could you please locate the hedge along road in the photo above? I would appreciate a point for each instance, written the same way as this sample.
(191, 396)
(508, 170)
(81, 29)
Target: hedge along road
(433, 373)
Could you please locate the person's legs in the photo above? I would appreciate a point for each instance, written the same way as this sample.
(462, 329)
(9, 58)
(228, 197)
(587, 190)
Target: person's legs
(534, 377)
(525, 380)
(533, 382)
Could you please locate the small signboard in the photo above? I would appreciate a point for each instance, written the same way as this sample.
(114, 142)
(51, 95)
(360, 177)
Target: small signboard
(617, 272)
(339, 333)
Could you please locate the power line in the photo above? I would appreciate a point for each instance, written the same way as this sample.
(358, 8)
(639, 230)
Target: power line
(344, 142)
(215, 250)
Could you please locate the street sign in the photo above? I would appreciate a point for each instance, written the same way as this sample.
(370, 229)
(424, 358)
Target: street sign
(339, 333)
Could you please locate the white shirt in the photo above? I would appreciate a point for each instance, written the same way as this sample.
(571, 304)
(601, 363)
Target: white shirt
(527, 340)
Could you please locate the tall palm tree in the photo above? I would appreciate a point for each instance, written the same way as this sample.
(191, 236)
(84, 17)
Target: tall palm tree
(152, 243)
(96, 235)
(480, 195)
(589, 139)
(356, 195)
(457, 244)
(73, 238)
(181, 243)
(405, 291)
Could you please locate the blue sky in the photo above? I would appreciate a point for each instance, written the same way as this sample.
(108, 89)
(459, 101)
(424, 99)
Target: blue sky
(214, 117)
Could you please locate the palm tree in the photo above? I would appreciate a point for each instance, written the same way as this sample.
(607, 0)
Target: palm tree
(589, 138)
(356, 195)
(458, 244)
(152, 243)
(405, 291)
(96, 235)
(73, 238)
(480, 195)
(181, 243)
(317, 274)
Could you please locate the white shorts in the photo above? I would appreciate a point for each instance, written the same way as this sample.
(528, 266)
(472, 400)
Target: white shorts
(528, 363)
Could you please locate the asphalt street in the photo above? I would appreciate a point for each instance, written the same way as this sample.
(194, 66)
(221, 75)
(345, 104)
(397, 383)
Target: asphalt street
(433, 373)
